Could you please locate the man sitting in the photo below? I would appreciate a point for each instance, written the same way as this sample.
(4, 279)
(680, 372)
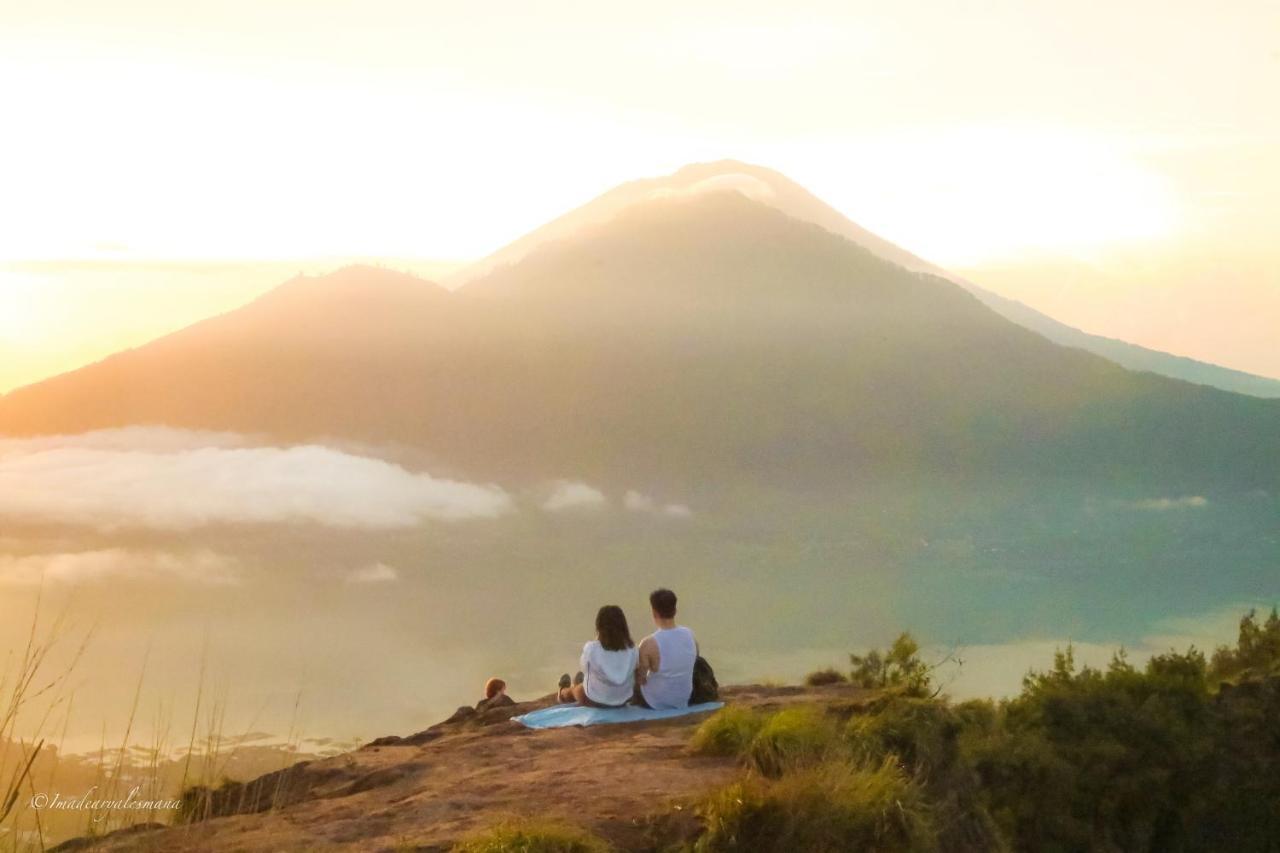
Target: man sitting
(664, 676)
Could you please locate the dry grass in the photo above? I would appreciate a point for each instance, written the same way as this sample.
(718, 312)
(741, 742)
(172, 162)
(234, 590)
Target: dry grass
(772, 744)
(30, 691)
(827, 808)
(526, 835)
(728, 732)
(794, 738)
(36, 702)
(921, 733)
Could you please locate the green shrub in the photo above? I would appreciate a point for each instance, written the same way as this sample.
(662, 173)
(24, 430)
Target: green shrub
(772, 743)
(925, 736)
(728, 732)
(794, 738)
(823, 677)
(529, 835)
(899, 668)
(1180, 753)
(829, 808)
(1256, 653)
(923, 733)
(1114, 759)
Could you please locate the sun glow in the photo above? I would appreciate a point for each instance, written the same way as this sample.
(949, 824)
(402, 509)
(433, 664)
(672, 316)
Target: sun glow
(297, 132)
(983, 193)
(148, 144)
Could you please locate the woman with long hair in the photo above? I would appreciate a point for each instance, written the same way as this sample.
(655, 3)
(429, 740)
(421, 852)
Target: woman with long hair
(608, 664)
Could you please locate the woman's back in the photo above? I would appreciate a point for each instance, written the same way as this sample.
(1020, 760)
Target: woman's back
(610, 675)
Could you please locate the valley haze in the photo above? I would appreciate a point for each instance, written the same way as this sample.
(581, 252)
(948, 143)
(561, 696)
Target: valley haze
(376, 490)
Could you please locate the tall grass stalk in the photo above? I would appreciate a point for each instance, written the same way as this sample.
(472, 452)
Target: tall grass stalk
(31, 693)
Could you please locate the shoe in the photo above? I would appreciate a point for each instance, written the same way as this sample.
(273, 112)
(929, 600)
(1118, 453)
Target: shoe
(579, 678)
(565, 682)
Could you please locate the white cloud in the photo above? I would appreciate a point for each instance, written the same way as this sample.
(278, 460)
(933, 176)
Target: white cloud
(570, 494)
(749, 185)
(175, 479)
(1161, 504)
(373, 573)
(150, 438)
(204, 567)
(639, 502)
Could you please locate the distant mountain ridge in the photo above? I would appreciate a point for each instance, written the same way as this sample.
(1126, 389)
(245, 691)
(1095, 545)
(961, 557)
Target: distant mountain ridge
(776, 190)
(1129, 355)
(692, 342)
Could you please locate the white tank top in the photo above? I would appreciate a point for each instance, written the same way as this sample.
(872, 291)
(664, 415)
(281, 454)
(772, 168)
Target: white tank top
(671, 685)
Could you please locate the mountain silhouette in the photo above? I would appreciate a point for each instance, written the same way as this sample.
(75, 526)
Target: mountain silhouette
(692, 340)
(776, 190)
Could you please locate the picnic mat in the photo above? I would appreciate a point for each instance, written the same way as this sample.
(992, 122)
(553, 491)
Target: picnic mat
(560, 716)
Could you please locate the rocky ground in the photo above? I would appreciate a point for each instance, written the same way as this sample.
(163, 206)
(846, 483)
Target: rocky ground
(632, 784)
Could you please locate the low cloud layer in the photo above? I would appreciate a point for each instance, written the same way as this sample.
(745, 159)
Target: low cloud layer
(639, 502)
(373, 573)
(202, 567)
(151, 439)
(1161, 504)
(576, 496)
(177, 479)
(573, 495)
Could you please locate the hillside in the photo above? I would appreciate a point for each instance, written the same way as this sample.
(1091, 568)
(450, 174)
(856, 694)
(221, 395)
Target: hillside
(689, 342)
(1126, 354)
(776, 190)
(1179, 753)
(632, 784)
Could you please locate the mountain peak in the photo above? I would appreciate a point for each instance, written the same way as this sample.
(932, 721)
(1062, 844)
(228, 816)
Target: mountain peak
(356, 277)
(714, 243)
(770, 187)
(351, 285)
(757, 183)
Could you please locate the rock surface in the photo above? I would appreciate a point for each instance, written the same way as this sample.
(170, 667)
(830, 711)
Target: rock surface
(633, 784)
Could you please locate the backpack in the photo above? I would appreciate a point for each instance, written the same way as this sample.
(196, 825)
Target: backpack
(705, 686)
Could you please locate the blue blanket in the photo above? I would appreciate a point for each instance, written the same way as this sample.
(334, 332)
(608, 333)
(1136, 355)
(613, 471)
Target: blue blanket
(560, 716)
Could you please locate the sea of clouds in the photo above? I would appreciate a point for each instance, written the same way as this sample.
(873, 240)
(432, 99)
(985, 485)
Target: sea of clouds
(163, 478)
(114, 481)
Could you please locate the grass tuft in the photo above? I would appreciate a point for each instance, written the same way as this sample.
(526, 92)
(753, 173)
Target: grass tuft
(727, 732)
(828, 808)
(793, 738)
(923, 733)
(529, 835)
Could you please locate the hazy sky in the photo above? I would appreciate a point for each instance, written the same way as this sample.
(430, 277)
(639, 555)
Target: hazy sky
(1116, 165)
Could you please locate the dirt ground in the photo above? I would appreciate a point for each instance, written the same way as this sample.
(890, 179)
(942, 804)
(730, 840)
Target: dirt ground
(633, 784)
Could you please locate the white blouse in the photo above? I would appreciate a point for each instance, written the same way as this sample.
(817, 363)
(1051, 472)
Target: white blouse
(610, 676)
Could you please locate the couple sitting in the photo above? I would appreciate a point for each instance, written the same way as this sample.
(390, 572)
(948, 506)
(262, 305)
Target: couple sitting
(614, 672)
